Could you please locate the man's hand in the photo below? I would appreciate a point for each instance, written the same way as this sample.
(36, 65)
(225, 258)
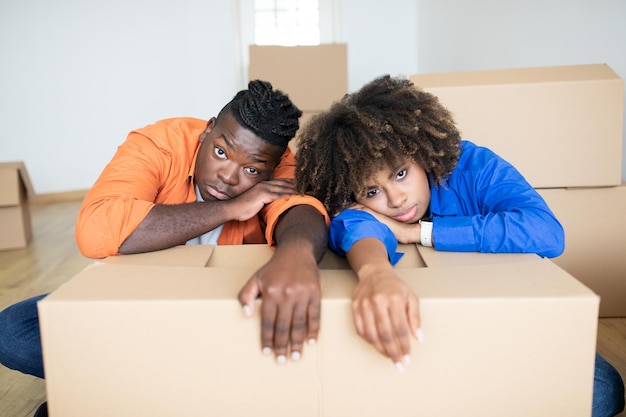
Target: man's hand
(290, 284)
(290, 311)
(250, 203)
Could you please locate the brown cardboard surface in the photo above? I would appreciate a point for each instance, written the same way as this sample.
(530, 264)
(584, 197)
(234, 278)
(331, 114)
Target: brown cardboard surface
(433, 257)
(193, 255)
(15, 191)
(512, 338)
(547, 121)
(312, 76)
(595, 237)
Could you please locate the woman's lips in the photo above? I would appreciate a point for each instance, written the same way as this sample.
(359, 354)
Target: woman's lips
(406, 215)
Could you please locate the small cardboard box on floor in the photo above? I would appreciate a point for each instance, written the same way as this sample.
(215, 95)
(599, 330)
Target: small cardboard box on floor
(15, 191)
(163, 334)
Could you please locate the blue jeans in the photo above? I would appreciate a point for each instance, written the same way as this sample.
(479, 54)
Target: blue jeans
(20, 349)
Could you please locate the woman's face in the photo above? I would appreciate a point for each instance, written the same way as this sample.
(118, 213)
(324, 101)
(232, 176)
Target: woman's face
(402, 193)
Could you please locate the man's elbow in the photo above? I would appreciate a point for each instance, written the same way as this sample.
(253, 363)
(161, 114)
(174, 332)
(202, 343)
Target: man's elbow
(93, 246)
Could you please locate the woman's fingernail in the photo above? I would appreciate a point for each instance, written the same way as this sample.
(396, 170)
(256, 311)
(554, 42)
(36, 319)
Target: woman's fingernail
(267, 351)
(420, 335)
(295, 356)
(312, 341)
(407, 359)
(399, 367)
(281, 359)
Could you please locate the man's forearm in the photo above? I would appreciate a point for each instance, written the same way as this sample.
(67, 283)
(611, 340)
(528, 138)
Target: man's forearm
(166, 226)
(303, 225)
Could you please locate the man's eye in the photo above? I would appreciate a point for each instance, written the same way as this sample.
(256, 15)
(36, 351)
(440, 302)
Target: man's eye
(252, 171)
(401, 174)
(219, 152)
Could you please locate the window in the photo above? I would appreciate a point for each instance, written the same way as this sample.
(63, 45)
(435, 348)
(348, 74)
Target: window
(286, 22)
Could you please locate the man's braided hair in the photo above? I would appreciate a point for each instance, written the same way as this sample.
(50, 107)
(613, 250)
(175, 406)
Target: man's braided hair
(268, 113)
(388, 122)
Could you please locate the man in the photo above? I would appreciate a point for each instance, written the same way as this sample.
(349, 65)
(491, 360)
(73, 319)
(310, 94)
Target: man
(189, 181)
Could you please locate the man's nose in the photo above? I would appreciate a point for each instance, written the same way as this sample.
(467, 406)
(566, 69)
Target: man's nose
(228, 174)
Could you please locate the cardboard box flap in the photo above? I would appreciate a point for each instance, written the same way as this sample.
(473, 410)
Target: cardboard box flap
(192, 255)
(433, 257)
(104, 282)
(533, 278)
(571, 73)
(12, 176)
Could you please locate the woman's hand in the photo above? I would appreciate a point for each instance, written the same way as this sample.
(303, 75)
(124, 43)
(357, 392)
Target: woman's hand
(384, 308)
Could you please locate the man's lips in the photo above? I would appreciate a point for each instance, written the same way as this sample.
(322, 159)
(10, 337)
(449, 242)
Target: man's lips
(406, 215)
(217, 194)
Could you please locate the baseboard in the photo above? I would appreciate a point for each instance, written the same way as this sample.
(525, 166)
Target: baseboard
(66, 196)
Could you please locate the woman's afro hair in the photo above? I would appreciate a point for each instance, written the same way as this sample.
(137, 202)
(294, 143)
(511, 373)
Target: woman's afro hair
(386, 123)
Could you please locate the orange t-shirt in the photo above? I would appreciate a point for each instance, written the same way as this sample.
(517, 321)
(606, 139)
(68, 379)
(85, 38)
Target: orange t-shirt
(155, 165)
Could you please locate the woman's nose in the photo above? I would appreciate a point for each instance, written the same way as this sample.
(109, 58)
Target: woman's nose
(395, 198)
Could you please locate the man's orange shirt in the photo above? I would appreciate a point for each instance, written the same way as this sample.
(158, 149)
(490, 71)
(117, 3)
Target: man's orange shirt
(155, 165)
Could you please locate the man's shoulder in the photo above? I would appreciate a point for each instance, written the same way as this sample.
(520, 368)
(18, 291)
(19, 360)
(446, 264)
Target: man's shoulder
(170, 133)
(180, 124)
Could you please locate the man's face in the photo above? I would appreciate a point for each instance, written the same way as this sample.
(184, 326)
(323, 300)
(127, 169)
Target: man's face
(232, 159)
(402, 193)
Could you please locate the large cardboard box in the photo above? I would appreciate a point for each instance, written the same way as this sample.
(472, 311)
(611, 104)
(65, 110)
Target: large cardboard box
(312, 76)
(595, 238)
(15, 191)
(560, 126)
(510, 335)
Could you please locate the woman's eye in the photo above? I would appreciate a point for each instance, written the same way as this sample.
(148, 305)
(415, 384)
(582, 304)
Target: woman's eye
(401, 174)
(252, 171)
(372, 193)
(219, 152)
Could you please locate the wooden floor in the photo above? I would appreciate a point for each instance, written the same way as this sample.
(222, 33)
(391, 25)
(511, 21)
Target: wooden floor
(52, 258)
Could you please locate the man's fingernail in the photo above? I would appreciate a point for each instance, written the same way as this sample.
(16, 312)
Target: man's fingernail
(267, 351)
(295, 356)
(247, 310)
(281, 359)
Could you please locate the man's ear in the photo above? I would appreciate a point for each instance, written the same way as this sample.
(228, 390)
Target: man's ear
(209, 126)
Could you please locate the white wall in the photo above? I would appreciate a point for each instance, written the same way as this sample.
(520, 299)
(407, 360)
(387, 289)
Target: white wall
(77, 75)
(381, 36)
(460, 35)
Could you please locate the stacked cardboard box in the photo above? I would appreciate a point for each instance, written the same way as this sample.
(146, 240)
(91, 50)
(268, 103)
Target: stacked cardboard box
(15, 191)
(312, 76)
(562, 128)
(163, 334)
